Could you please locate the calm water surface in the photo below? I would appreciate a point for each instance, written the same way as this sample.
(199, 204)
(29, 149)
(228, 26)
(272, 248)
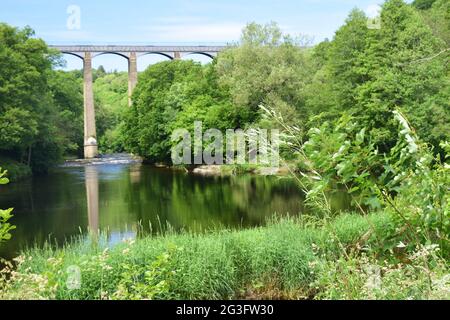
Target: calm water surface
(129, 199)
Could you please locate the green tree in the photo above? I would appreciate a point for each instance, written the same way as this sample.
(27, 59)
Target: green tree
(423, 4)
(172, 95)
(161, 92)
(27, 111)
(67, 92)
(267, 67)
(111, 100)
(5, 215)
(345, 59)
(17, 127)
(437, 16)
(395, 76)
(99, 73)
(261, 35)
(370, 72)
(111, 94)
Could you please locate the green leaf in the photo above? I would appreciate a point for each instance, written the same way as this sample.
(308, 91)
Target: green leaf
(360, 137)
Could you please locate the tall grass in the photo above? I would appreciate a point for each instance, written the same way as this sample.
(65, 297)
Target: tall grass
(277, 260)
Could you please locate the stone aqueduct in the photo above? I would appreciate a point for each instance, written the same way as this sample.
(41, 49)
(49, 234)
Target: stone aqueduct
(131, 53)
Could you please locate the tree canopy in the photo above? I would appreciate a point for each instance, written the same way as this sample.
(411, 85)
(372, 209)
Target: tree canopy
(27, 111)
(370, 72)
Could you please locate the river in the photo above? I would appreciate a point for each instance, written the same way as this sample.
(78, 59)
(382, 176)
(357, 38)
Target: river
(126, 199)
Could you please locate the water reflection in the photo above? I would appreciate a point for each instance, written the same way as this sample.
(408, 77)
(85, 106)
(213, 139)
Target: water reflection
(124, 200)
(91, 180)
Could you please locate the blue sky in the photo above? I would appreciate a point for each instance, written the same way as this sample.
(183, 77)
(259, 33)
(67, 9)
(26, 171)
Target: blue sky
(174, 21)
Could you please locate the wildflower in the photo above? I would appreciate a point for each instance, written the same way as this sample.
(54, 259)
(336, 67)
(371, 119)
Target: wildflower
(107, 267)
(104, 295)
(19, 259)
(401, 245)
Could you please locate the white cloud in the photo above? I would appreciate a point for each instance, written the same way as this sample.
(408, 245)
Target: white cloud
(180, 19)
(66, 35)
(197, 31)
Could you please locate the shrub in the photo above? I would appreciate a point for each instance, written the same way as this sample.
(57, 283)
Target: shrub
(5, 215)
(407, 180)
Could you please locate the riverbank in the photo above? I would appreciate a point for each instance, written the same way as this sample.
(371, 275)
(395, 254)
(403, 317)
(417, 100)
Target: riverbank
(19, 171)
(225, 170)
(287, 259)
(113, 158)
(228, 170)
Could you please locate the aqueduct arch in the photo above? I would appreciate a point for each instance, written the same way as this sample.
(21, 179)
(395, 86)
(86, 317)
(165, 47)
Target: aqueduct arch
(131, 53)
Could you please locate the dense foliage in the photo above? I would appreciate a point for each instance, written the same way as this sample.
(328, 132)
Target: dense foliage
(28, 132)
(437, 15)
(5, 215)
(173, 95)
(407, 181)
(370, 72)
(267, 67)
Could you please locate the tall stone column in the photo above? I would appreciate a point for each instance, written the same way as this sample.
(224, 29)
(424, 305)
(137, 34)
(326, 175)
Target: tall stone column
(177, 55)
(132, 75)
(90, 136)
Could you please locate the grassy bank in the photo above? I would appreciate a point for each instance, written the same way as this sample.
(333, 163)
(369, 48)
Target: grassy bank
(286, 259)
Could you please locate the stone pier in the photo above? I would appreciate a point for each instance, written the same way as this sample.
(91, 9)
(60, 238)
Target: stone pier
(132, 75)
(90, 135)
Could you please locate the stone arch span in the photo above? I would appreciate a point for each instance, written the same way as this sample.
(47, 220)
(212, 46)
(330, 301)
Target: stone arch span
(202, 53)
